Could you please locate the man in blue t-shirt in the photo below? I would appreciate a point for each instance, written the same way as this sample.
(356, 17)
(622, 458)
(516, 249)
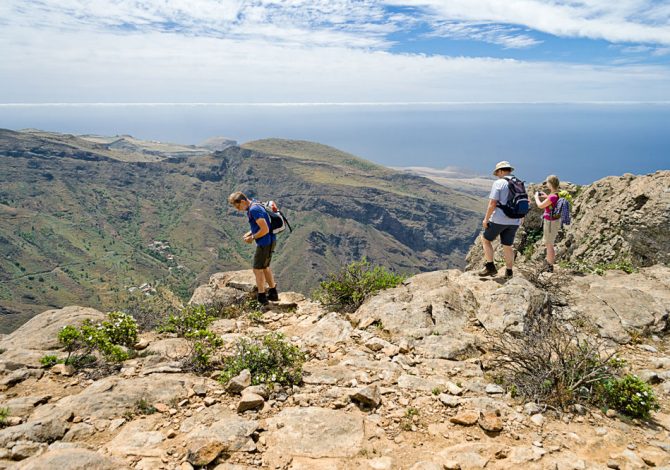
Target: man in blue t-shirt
(259, 221)
(497, 224)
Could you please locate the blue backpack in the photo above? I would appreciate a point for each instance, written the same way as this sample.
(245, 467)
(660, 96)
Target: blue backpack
(517, 205)
(561, 211)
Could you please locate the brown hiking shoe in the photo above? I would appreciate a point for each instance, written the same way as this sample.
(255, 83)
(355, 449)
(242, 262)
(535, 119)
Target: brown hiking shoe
(489, 270)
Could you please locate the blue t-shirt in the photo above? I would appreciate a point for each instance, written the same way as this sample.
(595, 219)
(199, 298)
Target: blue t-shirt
(255, 212)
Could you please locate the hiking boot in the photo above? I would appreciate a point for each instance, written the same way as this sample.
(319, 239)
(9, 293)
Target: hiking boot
(489, 270)
(549, 268)
(509, 274)
(262, 298)
(273, 296)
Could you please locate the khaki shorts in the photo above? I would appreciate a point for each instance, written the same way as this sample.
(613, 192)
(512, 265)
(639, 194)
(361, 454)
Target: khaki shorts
(263, 256)
(550, 230)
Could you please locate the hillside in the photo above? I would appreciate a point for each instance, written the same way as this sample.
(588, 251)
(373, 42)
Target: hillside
(444, 371)
(91, 217)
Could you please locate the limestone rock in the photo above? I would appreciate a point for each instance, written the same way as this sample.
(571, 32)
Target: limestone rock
(432, 302)
(490, 422)
(40, 333)
(238, 383)
(368, 396)
(230, 433)
(250, 401)
(73, 459)
(465, 418)
(112, 396)
(315, 433)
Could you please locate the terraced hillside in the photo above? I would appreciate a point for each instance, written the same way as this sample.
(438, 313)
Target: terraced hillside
(85, 220)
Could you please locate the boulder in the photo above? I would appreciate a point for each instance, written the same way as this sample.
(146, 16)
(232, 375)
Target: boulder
(229, 433)
(40, 333)
(250, 401)
(620, 304)
(438, 302)
(73, 459)
(315, 433)
(113, 396)
(368, 396)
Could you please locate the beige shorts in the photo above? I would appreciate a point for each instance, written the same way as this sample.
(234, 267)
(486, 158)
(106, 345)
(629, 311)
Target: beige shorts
(550, 230)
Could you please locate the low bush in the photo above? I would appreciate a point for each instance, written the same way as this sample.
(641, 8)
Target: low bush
(630, 395)
(148, 310)
(270, 359)
(598, 268)
(347, 289)
(204, 344)
(188, 320)
(553, 363)
(4, 414)
(49, 361)
(107, 338)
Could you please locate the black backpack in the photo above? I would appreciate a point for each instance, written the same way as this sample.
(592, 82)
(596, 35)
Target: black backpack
(278, 221)
(517, 205)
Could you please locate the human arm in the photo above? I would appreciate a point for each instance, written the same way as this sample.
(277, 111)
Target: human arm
(489, 212)
(542, 204)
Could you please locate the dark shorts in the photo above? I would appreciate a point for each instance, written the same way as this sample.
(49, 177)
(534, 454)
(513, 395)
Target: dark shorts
(506, 233)
(263, 256)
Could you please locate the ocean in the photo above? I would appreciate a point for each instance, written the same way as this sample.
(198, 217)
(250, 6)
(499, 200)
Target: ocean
(578, 142)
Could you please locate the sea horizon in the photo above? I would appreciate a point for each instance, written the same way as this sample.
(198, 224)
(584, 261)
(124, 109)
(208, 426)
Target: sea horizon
(581, 141)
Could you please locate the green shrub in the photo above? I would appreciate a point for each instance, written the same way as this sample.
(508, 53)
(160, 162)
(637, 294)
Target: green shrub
(49, 361)
(347, 289)
(148, 310)
(204, 344)
(120, 328)
(270, 359)
(4, 414)
(190, 319)
(630, 395)
(107, 338)
(553, 362)
(143, 407)
(598, 268)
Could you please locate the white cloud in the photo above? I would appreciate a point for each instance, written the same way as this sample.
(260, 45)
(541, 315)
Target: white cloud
(611, 20)
(157, 67)
(315, 51)
(508, 37)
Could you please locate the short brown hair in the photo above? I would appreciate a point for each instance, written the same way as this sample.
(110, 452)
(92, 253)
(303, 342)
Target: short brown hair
(553, 181)
(236, 197)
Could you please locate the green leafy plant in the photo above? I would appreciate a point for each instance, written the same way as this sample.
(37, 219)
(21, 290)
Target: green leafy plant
(270, 359)
(49, 361)
(630, 396)
(347, 289)
(4, 414)
(120, 328)
(598, 268)
(204, 344)
(143, 407)
(190, 319)
(104, 338)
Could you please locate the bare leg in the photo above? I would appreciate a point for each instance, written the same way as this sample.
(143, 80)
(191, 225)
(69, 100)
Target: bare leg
(260, 280)
(269, 278)
(508, 252)
(551, 253)
(488, 249)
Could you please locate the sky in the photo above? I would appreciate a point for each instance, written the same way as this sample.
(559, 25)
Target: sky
(334, 51)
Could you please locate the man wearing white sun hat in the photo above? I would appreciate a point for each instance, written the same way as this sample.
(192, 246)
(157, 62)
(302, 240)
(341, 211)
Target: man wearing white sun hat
(508, 204)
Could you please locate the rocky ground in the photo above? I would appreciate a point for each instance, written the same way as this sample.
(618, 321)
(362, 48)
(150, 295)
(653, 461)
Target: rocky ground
(402, 383)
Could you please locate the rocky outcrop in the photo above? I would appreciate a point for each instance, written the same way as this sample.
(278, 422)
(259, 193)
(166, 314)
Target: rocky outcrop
(399, 383)
(25, 346)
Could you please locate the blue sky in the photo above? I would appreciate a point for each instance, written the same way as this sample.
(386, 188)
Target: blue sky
(334, 51)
